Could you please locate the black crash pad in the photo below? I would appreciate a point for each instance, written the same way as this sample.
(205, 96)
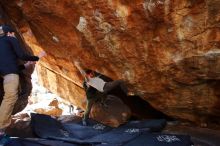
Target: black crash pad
(157, 139)
(38, 142)
(156, 125)
(77, 130)
(134, 133)
(49, 128)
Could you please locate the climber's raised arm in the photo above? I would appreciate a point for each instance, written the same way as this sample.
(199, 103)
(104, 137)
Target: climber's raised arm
(81, 70)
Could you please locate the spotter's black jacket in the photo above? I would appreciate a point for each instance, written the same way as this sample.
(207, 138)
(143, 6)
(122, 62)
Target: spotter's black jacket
(10, 52)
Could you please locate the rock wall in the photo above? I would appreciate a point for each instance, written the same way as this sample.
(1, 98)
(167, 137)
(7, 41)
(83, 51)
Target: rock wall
(167, 51)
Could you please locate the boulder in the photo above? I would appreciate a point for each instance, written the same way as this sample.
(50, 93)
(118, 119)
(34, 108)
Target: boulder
(167, 51)
(112, 113)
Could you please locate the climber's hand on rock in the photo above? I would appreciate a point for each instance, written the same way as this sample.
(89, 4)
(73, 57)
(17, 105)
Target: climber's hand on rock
(29, 63)
(42, 54)
(77, 63)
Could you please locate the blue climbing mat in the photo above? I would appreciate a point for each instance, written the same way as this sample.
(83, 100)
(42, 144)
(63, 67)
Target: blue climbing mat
(134, 133)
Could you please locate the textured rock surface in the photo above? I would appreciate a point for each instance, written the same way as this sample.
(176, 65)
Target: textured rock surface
(52, 109)
(168, 51)
(114, 113)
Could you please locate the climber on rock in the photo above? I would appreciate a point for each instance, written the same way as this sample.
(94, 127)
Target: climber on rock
(10, 52)
(96, 88)
(92, 96)
(99, 84)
